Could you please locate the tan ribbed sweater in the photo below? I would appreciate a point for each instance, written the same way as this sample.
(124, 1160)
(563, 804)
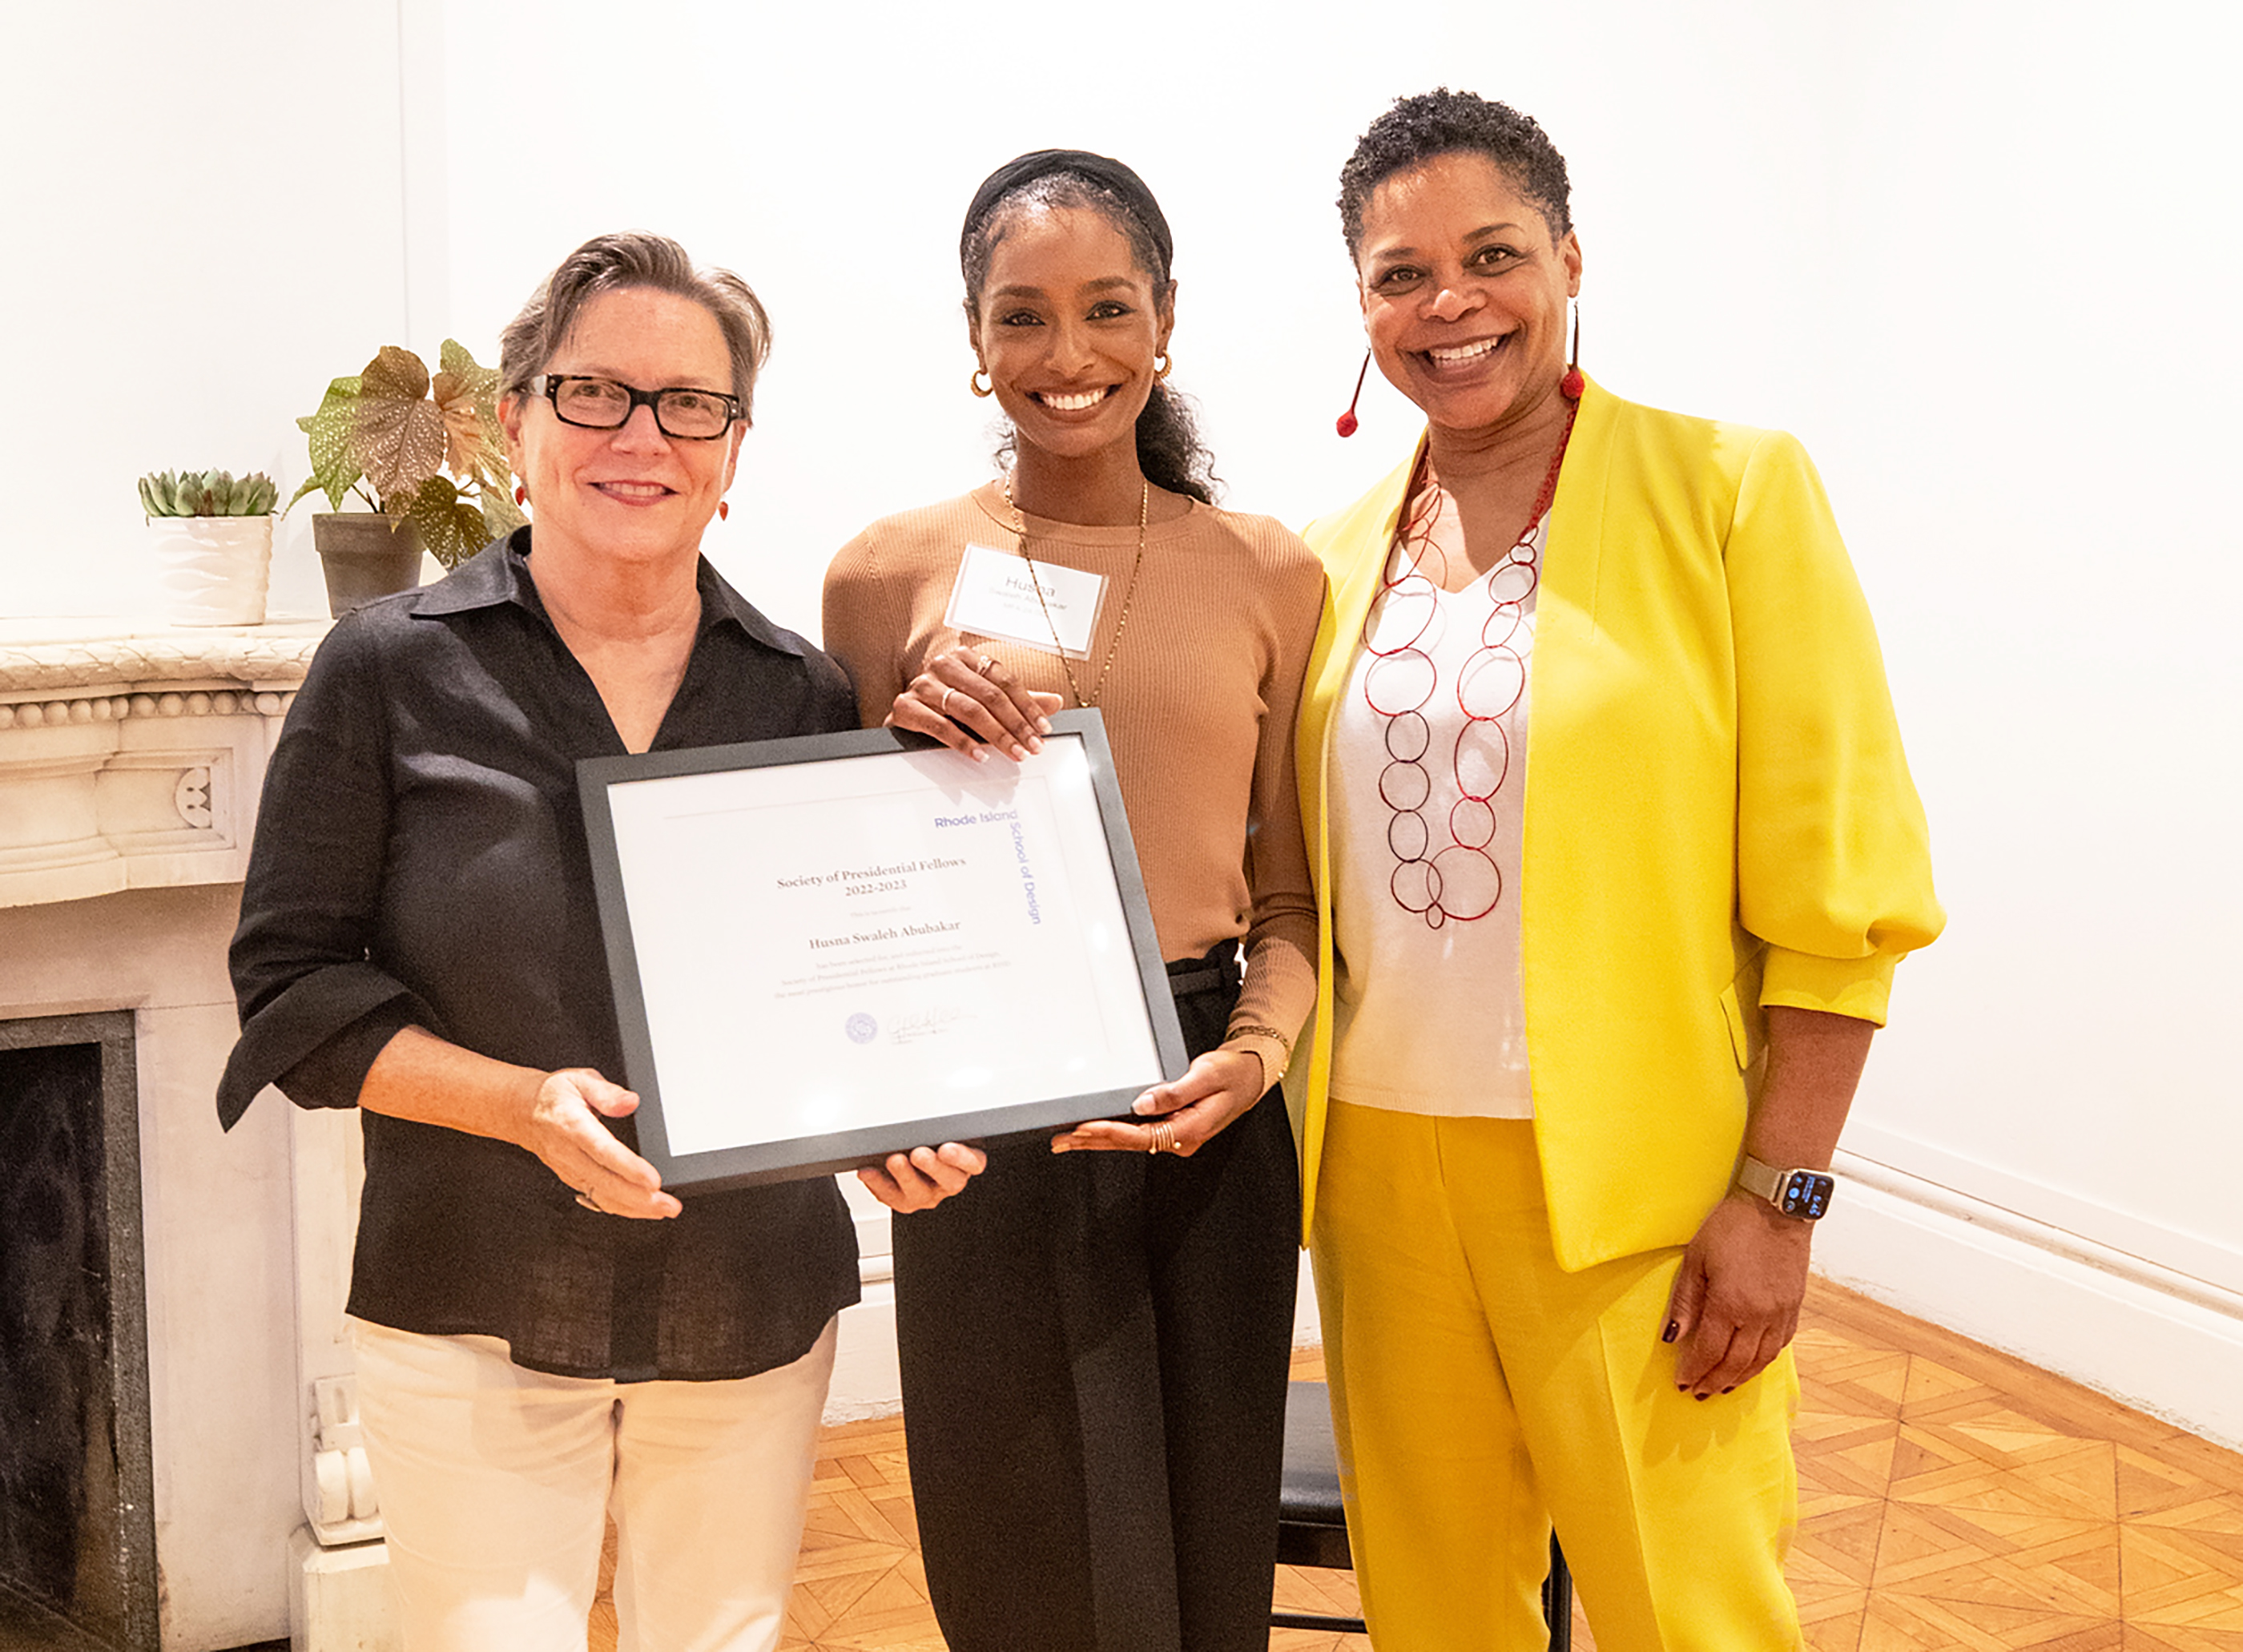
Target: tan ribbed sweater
(1199, 708)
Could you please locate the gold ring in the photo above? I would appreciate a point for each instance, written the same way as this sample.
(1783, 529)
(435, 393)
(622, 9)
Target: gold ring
(983, 668)
(946, 693)
(591, 1203)
(1164, 1137)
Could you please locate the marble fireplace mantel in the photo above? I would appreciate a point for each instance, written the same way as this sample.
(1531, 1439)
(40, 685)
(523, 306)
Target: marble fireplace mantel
(131, 753)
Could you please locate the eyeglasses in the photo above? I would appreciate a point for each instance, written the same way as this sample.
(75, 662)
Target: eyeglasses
(602, 404)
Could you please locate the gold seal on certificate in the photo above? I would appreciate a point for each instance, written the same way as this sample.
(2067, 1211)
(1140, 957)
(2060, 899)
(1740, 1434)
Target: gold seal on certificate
(824, 949)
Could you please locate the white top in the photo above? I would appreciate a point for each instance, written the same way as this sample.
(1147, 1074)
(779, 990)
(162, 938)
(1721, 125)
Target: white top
(1430, 1016)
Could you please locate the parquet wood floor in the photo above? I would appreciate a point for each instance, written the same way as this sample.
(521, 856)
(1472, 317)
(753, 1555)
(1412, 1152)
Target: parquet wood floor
(1951, 1497)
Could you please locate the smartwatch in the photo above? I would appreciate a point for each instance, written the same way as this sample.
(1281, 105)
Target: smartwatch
(1802, 1194)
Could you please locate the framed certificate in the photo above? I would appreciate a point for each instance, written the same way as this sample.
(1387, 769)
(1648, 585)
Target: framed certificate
(828, 949)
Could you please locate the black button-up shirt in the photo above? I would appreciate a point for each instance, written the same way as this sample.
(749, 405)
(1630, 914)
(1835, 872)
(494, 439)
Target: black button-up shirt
(421, 859)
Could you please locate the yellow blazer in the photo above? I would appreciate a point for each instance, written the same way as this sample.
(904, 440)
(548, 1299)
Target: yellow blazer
(1717, 813)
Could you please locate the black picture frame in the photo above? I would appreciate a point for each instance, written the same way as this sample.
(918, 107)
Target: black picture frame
(692, 1164)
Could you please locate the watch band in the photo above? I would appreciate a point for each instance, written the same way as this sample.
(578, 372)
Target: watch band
(1800, 1193)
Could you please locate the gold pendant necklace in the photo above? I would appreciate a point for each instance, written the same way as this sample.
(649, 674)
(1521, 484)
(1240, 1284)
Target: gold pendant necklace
(1021, 527)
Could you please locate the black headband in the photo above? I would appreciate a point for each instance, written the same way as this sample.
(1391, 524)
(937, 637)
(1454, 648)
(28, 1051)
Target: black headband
(1101, 170)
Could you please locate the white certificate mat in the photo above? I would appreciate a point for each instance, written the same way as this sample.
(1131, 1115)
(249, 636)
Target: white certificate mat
(827, 949)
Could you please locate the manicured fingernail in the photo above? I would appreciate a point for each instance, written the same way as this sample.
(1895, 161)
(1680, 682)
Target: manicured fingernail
(1731, 1389)
(1701, 1398)
(980, 754)
(1673, 1329)
(1043, 726)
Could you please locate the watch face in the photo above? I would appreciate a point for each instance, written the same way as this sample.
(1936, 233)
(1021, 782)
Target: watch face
(1807, 1195)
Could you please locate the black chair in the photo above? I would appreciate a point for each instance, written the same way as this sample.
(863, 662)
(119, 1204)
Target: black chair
(1312, 1528)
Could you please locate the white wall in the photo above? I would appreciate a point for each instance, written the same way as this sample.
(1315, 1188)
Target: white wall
(2032, 388)
(202, 215)
(1967, 251)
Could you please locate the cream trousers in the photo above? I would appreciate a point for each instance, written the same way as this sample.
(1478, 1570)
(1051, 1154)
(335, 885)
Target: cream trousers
(1480, 1392)
(496, 1482)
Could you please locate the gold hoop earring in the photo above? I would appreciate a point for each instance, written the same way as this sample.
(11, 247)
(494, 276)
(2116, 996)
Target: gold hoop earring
(979, 388)
(1161, 364)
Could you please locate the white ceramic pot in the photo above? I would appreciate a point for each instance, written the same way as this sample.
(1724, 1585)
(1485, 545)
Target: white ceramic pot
(213, 571)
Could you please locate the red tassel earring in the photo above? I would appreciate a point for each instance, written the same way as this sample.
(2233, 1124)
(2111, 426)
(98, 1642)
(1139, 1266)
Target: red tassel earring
(521, 494)
(723, 509)
(1571, 384)
(1346, 423)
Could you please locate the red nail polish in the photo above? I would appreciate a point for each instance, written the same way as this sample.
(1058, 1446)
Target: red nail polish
(1668, 1335)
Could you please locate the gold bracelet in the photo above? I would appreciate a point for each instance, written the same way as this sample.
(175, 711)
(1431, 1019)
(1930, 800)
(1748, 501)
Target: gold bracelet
(1255, 1030)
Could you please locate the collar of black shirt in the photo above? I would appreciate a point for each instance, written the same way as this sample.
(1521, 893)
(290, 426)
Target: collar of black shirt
(498, 574)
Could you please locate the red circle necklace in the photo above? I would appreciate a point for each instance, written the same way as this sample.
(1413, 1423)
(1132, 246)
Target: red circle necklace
(1459, 879)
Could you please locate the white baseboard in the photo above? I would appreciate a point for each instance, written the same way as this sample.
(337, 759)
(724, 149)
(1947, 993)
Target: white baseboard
(865, 1381)
(2163, 1342)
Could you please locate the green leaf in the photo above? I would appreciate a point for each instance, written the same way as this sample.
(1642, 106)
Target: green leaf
(451, 527)
(335, 469)
(500, 515)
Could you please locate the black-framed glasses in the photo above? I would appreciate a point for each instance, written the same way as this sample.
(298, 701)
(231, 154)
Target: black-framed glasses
(602, 404)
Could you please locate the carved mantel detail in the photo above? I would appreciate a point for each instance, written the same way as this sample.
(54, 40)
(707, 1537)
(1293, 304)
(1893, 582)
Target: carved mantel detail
(44, 654)
(131, 757)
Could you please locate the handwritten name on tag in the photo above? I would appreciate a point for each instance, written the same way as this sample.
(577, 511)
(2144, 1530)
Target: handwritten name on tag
(996, 595)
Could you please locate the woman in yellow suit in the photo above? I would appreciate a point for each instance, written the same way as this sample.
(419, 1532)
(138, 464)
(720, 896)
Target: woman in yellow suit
(1615, 850)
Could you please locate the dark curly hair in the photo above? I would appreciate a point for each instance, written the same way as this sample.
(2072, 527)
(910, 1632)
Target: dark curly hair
(1170, 451)
(1441, 122)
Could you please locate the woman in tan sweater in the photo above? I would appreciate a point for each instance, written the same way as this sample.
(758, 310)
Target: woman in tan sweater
(1094, 1333)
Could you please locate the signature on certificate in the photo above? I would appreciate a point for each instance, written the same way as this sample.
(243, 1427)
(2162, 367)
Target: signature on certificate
(926, 1024)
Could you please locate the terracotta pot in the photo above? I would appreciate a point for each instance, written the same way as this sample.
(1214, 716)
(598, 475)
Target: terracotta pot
(365, 556)
(213, 571)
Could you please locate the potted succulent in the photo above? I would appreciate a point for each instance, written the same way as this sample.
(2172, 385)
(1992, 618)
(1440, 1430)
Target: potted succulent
(425, 455)
(213, 535)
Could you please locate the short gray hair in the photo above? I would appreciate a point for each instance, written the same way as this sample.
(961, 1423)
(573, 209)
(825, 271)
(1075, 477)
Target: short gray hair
(611, 264)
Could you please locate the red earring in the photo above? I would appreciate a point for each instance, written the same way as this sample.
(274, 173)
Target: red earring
(1346, 423)
(521, 494)
(723, 508)
(1571, 384)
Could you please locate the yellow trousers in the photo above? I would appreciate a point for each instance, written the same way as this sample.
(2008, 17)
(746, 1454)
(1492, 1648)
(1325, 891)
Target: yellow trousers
(1479, 1393)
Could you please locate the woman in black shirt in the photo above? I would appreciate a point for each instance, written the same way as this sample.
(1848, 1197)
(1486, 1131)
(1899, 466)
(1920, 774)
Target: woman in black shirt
(418, 938)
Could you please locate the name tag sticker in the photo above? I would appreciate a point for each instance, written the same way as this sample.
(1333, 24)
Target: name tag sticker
(996, 595)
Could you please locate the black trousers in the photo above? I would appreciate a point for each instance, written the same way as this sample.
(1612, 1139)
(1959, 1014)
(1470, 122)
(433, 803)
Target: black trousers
(1095, 1352)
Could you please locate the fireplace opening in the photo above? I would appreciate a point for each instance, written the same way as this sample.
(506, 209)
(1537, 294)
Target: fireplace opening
(77, 1537)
